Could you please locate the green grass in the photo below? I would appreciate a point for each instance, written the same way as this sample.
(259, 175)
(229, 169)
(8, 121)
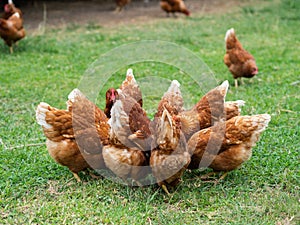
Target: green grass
(36, 190)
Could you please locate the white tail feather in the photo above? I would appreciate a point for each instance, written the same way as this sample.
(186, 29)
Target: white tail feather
(224, 87)
(74, 94)
(174, 87)
(228, 33)
(130, 76)
(240, 103)
(261, 121)
(237, 103)
(129, 72)
(41, 111)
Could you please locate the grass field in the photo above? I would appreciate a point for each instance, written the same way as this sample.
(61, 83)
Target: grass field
(36, 190)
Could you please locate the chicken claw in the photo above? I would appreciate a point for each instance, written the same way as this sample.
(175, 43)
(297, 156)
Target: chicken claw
(77, 177)
(164, 187)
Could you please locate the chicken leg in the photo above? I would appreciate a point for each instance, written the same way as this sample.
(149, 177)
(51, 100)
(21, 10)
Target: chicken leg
(77, 177)
(206, 176)
(236, 82)
(164, 187)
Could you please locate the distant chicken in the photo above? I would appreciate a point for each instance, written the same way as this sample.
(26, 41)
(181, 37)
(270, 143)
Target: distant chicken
(173, 6)
(128, 153)
(169, 155)
(75, 137)
(11, 25)
(121, 4)
(206, 112)
(240, 62)
(10, 9)
(226, 145)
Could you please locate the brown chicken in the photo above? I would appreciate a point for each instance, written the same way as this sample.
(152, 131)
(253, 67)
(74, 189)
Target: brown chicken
(11, 25)
(10, 9)
(128, 154)
(131, 124)
(226, 145)
(206, 112)
(75, 137)
(129, 87)
(169, 157)
(173, 6)
(240, 62)
(121, 4)
(130, 141)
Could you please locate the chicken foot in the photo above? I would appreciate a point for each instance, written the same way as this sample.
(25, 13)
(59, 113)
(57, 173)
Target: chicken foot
(94, 176)
(77, 177)
(206, 176)
(164, 187)
(236, 83)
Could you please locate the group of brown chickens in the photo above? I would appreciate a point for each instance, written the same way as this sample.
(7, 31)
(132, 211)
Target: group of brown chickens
(11, 22)
(124, 140)
(240, 62)
(169, 6)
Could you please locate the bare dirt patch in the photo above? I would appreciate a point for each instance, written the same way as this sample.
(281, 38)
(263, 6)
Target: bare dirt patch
(60, 14)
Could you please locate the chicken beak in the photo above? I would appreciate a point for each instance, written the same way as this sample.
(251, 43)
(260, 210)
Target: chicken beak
(255, 72)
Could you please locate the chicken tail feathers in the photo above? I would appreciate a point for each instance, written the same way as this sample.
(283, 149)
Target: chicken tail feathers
(174, 87)
(76, 93)
(238, 104)
(231, 40)
(261, 121)
(129, 75)
(223, 88)
(130, 79)
(41, 111)
(229, 33)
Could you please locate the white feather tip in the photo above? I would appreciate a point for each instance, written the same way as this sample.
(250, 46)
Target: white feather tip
(174, 86)
(73, 94)
(261, 121)
(224, 87)
(129, 72)
(175, 83)
(40, 115)
(129, 76)
(267, 118)
(228, 33)
(240, 103)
